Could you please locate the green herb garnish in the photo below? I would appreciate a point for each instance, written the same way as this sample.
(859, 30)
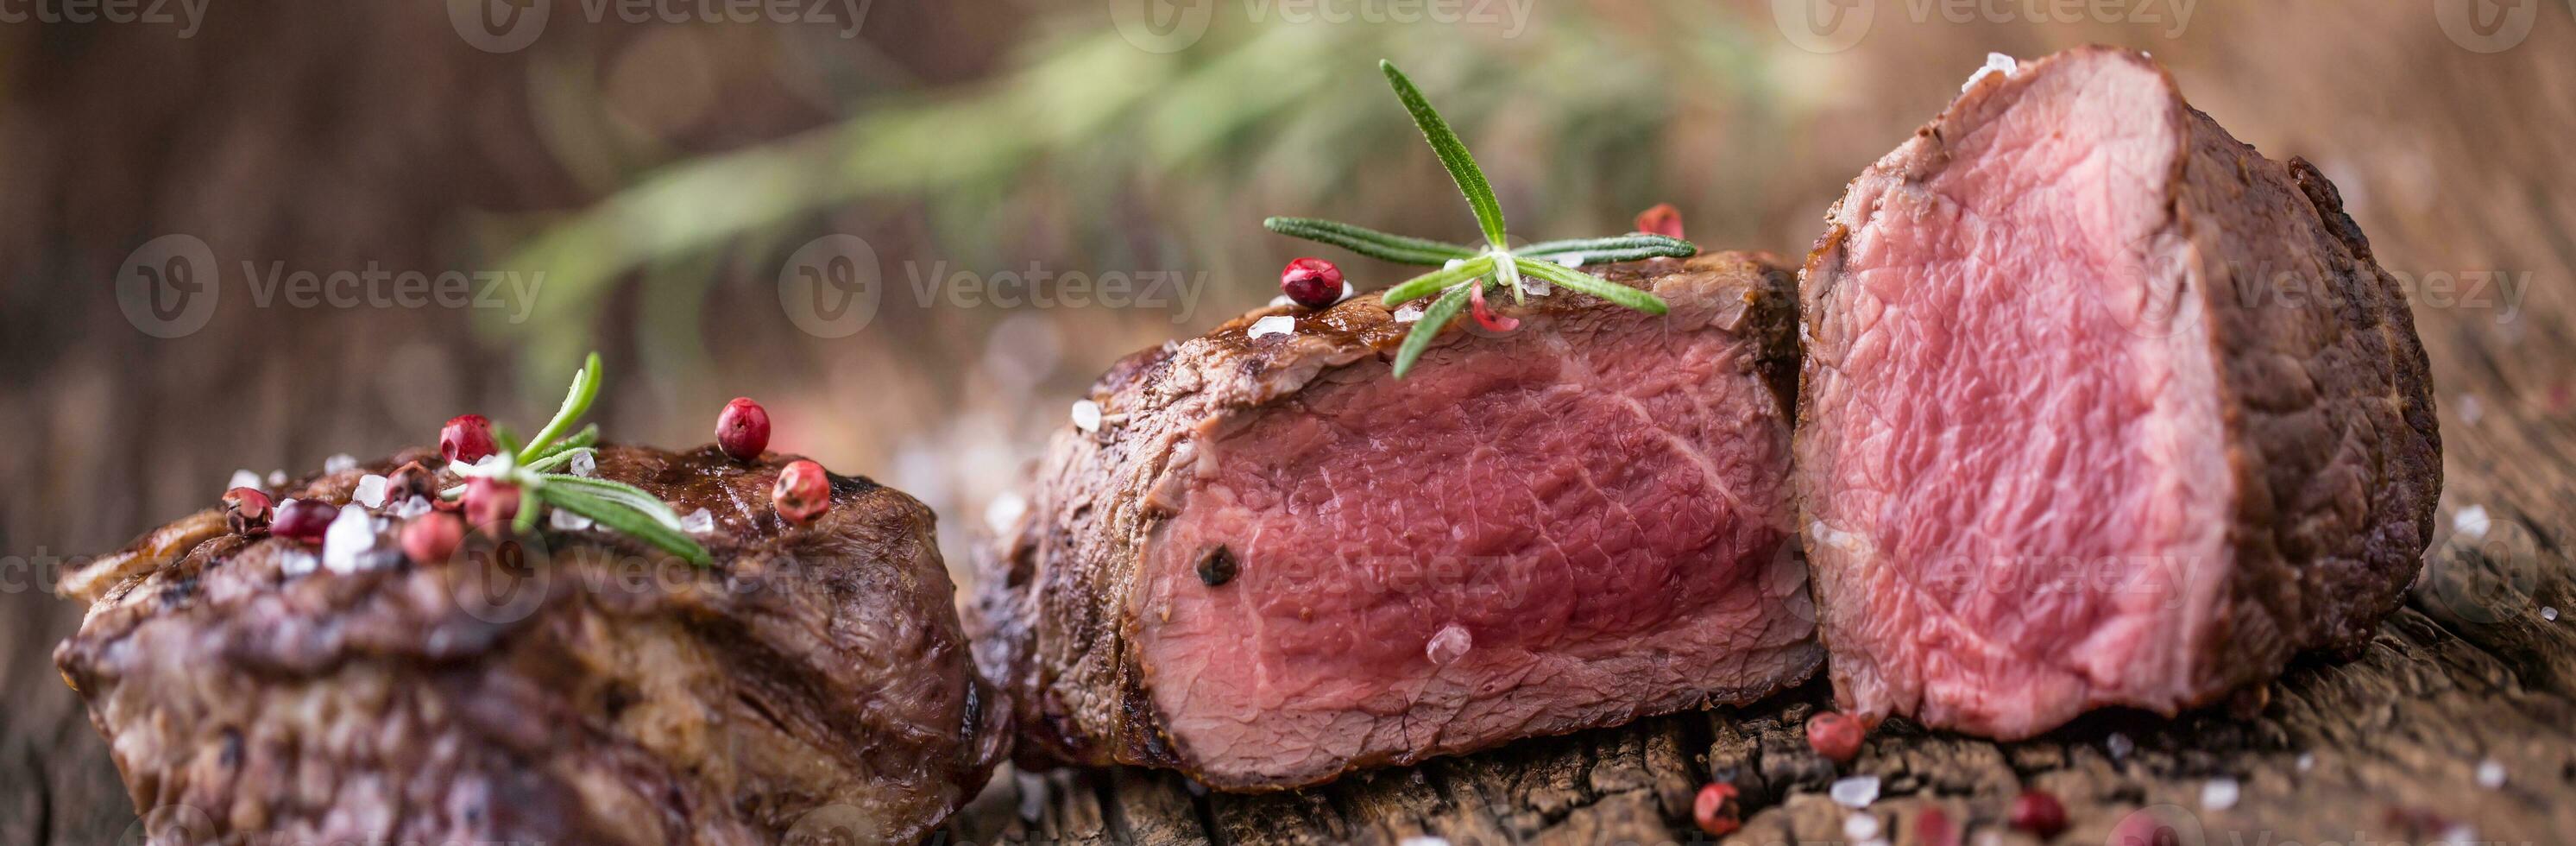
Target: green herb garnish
(1465, 269)
(618, 506)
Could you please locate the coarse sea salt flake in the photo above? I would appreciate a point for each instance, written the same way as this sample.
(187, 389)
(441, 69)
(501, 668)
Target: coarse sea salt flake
(351, 534)
(1086, 415)
(1854, 792)
(371, 491)
(1423, 840)
(2119, 745)
(567, 521)
(1409, 313)
(584, 464)
(243, 479)
(1996, 63)
(340, 463)
(411, 508)
(1277, 324)
(2490, 774)
(1448, 645)
(2471, 522)
(2307, 761)
(698, 522)
(1282, 300)
(2219, 794)
(1004, 512)
(297, 562)
(2549, 612)
(276, 478)
(1860, 827)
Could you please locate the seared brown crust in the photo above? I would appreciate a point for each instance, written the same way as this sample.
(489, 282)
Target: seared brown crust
(816, 677)
(2325, 393)
(1050, 621)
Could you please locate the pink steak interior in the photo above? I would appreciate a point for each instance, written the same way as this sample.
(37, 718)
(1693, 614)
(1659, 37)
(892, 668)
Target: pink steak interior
(2013, 446)
(1530, 534)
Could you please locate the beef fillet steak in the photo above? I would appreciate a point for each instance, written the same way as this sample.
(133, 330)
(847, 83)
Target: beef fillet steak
(573, 687)
(1270, 562)
(2100, 407)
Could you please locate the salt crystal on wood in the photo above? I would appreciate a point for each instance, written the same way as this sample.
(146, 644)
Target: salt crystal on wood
(2471, 522)
(371, 491)
(2219, 794)
(1855, 792)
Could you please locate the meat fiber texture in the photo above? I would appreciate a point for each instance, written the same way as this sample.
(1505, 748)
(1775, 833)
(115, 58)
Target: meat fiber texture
(570, 686)
(1269, 562)
(2100, 407)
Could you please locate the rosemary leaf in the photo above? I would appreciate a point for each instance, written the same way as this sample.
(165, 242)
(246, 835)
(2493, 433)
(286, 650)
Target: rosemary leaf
(526, 521)
(1400, 249)
(1453, 155)
(1594, 285)
(626, 519)
(585, 389)
(619, 492)
(584, 439)
(1614, 249)
(1433, 320)
(1422, 286)
(558, 457)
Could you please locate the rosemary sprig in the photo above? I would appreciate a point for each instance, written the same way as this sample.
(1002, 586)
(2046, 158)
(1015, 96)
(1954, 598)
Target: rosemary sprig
(1463, 268)
(620, 507)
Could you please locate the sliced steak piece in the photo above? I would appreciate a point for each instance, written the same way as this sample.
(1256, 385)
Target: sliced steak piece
(573, 687)
(2100, 407)
(1271, 562)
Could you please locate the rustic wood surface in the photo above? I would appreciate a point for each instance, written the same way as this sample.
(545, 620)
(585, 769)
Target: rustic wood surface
(2455, 162)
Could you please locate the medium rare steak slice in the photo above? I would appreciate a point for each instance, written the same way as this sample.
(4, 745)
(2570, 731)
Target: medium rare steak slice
(573, 687)
(2100, 407)
(1270, 562)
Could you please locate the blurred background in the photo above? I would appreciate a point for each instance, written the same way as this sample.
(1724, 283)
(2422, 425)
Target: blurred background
(252, 236)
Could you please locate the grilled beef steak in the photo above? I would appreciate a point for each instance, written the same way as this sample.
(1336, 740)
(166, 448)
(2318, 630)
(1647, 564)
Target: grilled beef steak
(1270, 562)
(573, 687)
(2100, 407)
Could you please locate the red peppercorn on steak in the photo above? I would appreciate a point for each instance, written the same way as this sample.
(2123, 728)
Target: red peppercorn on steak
(2100, 407)
(1257, 557)
(569, 686)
